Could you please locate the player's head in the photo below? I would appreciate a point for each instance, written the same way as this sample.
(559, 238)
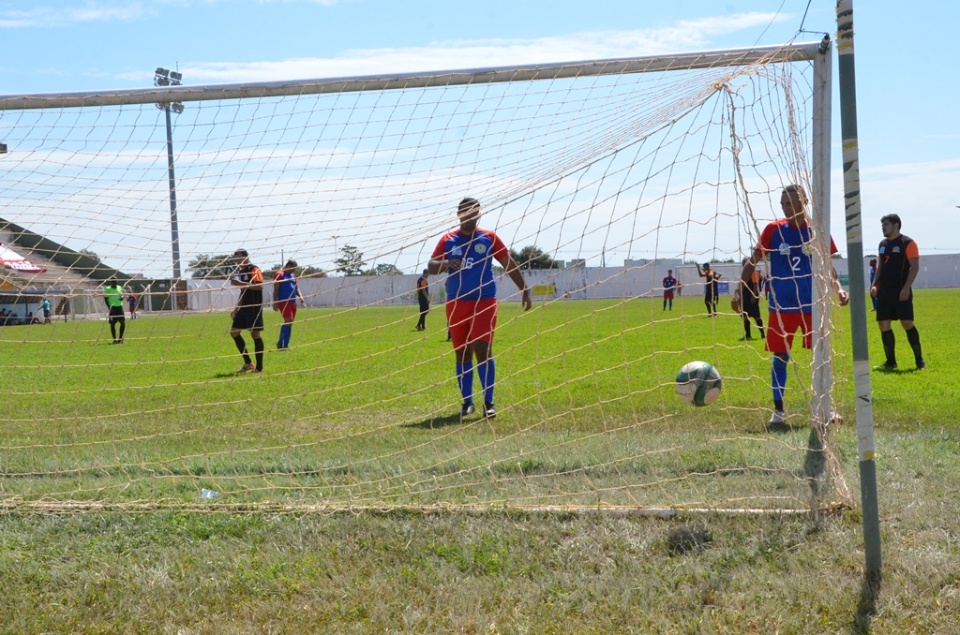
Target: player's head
(873, 262)
(426, 272)
(669, 272)
(793, 202)
(706, 266)
(468, 211)
(890, 225)
(291, 265)
(241, 257)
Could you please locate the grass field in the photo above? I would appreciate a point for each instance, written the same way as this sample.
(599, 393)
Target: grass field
(361, 413)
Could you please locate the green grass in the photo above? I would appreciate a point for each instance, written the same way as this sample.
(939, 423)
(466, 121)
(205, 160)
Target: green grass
(360, 413)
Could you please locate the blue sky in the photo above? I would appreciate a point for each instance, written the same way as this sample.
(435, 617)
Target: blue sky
(907, 77)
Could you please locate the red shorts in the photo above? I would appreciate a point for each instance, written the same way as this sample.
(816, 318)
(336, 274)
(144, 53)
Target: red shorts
(287, 308)
(781, 328)
(668, 295)
(471, 321)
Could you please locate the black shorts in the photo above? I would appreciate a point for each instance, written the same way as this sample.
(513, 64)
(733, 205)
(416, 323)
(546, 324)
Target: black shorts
(116, 313)
(752, 309)
(889, 306)
(248, 317)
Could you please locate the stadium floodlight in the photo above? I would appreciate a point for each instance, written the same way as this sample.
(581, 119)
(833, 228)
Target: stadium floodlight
(165, 77)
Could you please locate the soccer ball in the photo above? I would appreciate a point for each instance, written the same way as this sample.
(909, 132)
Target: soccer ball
(699, 383)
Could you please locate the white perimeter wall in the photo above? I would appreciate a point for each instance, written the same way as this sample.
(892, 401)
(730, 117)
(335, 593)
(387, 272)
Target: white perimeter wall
(578, 283)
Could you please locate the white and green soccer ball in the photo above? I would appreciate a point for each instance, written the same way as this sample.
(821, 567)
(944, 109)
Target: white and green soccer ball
(699, 383)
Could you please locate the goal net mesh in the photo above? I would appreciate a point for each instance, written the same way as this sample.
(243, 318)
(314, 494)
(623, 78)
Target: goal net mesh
(613, 178)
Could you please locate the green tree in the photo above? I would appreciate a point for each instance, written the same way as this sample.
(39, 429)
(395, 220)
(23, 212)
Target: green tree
(211, 267)
(532, 257)
(383, 270)
(351, 262)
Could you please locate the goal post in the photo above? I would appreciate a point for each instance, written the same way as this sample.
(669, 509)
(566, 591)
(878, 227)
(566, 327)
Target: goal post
(618, 170)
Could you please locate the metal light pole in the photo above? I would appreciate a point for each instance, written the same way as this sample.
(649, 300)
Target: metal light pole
(164, 77)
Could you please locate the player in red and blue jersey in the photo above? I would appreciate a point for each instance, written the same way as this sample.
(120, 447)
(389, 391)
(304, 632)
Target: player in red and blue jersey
(787, 244)
(285, 296)
(467, 255)
(669, 285)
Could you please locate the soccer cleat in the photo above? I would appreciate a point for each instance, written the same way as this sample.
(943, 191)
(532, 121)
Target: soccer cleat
(489, 410)
(467, 408)
(778, 417)
(921, 365)
(256, 371)
(886, 366)
(246, 368)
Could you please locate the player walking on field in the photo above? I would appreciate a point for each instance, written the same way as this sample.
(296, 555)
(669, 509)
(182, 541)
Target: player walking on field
(669, 285)
(286, 292)
(747, 297)
(467, 255)
(892, 290)
(248, 314)
(711, 289)
(423, 299)
(786, 243)
(113, 297)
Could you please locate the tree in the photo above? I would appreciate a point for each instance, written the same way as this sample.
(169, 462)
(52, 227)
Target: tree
(351, 262)
(91, 254)
(532, 257)
(383, 270)
(211, 267)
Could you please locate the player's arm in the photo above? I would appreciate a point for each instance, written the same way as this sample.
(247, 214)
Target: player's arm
(439, 262)
(913, 257)
(512, 269)
(842, 295)
(750, 266)
(277, 279)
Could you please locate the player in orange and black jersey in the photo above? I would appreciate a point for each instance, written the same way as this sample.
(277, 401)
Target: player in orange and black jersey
(748, 296)
(248, 314)
(423, 299)
(898, 266)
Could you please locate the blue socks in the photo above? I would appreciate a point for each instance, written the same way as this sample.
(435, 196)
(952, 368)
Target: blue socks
(488, 376)
(285, 331)
(465, 380)
(779, 375)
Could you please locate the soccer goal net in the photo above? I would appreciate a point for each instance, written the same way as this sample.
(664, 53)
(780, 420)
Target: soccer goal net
(600, 176)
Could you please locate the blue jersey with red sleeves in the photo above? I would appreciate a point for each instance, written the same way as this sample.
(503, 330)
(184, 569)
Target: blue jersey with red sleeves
(474, 279)
(788, 248)
(288, 286)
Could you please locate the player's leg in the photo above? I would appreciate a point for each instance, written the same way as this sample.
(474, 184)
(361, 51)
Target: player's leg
(905, 313)
(758, 318)
(780, 332)
(240, 322)
(113, 328)
(288, 311)
(256, 334)
(484, 325)
(459, 318)
(886, 313)
(123, 324)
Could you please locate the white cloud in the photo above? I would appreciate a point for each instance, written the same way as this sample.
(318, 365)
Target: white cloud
(45, 16)
(484, 53)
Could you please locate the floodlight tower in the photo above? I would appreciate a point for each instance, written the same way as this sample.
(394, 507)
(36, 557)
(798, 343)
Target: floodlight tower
(165, 77)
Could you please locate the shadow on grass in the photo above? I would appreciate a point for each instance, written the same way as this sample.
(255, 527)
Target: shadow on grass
(867, 607)
(437, 422)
